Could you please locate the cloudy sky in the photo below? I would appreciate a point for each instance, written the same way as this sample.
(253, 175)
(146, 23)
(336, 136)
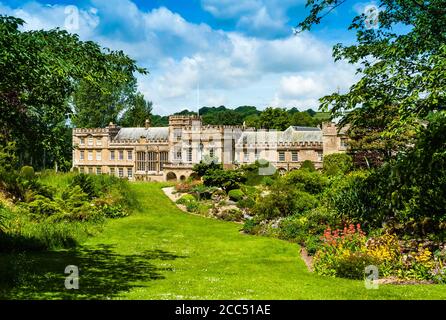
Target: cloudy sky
(238, 52)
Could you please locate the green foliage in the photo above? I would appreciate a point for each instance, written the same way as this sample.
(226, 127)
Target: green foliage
(337, 164)
(399, 69)
(310, 181)
(225, 179)
(50, 67)
(283, 200)
(308, 165)
(250, 226)
(137, 113)
(187, 198)
(61, 214)
(232, 215)
(236, 195)
(86, 184)
(8, 157)
(252, 173)
(203, 192)
(246, 203)
(202, 168)
(27, 173)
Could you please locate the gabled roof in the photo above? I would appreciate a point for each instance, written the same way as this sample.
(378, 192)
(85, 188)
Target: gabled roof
(155, 133)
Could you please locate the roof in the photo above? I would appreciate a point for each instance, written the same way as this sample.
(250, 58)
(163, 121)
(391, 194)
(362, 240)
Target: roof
(297, 128)
(155, 133)
(290, 135)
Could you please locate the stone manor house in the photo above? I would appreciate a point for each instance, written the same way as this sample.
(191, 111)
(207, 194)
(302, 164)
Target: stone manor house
(169, 153)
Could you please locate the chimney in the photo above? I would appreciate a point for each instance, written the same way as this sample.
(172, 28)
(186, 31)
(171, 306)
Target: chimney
(147, 123)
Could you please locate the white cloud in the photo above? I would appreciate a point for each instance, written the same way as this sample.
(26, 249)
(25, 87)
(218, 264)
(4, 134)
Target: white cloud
(232, 68)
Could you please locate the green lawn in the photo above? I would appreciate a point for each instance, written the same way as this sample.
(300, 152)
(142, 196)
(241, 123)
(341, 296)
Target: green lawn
(164, 253)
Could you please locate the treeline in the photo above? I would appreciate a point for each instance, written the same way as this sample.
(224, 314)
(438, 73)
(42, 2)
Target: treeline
(270, 118)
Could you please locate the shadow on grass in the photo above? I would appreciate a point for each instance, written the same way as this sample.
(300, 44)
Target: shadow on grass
(103, 273)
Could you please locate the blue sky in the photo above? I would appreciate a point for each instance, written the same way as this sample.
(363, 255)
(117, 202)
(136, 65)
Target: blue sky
(237, 52)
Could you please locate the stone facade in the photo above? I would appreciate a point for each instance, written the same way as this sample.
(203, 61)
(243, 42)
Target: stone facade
(169, 153)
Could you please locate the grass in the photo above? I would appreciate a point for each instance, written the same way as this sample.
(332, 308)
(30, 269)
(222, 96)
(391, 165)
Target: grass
(161, 252)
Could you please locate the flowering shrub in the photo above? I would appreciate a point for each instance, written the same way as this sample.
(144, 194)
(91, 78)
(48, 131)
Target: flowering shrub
(343, 253)
(346, 253)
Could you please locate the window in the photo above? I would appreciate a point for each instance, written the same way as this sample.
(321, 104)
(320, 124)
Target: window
(211, 152)
(257, 155)
(99, 142)
(344, 143)
(81, 169)
(295, 156)
(281, 156)
(129, 155)
(98, 155)
(164, 158)
(152, 161)
(112, 155)
(177, 134)
(98, 170)
(130, 172)
(90, 141)
(90, 155)
(178, 154)
(189, 155)
(112, 171)
(246, 157)
(121, 155)
(82, 155)
(90, 170)
(121, 172)
(81, 141)
(141, 161)
(320, 156)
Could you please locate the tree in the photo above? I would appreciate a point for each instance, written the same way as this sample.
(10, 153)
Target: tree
(405, 70)
(224, 179)
(302, 119)
(337, 164)
(36, 95)
(274, 118)
(308, 165)
(97, 106)
(138, 113)
(202, 168)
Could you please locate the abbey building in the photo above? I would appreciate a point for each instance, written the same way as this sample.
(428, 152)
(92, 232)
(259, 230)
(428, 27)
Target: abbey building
(169, 153)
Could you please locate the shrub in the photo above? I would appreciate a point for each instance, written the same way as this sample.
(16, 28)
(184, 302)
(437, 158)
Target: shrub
(87, 185)
(310, 181)
(246, 203)
(224, 179)
(283, 200)
(186, 199)
(113, 211)
(309, 165)
(251, 226)
(43, 207)
(202, 168)
(236, 195)
(203, 192)
(337, 164)
(304, 201)
(232, 215)
(342, 253)
(27, 173)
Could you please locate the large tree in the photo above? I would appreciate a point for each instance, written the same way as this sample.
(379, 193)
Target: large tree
(39, 73)
(403, 69)
(136, 114)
